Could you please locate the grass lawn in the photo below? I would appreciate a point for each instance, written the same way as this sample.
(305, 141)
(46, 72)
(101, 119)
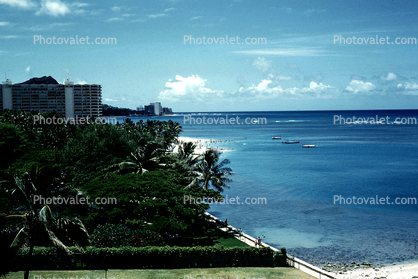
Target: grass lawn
(227, 240)
(230, 242)
(210, 235)
(195, 273)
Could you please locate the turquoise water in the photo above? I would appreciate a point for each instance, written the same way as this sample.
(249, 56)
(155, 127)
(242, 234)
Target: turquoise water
(299, 184)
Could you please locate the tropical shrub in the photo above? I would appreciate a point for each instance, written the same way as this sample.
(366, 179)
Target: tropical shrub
(118, 235)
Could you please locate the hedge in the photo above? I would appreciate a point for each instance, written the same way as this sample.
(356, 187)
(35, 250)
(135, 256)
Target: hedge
(167, 257)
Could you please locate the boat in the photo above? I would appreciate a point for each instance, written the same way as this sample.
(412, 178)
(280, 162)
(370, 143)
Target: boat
(276, 137)
(290, 141)
(308, 145)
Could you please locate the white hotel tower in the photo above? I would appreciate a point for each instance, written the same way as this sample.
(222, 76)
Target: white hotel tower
(46, 94)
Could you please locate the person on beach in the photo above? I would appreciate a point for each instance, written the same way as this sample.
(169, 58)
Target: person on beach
(226, 223)
(240, 233)
(255, 243)
(259, 241)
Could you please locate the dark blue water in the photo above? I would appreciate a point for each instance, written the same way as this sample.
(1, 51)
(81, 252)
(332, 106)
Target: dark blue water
(299, 185)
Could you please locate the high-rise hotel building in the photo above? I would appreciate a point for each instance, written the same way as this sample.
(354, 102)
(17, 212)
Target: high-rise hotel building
(46, 94)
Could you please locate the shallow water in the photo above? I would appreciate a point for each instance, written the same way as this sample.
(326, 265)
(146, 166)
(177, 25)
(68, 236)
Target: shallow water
(299, 184)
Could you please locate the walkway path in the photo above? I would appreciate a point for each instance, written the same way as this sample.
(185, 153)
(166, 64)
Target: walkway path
(247, 239)
(291, 260)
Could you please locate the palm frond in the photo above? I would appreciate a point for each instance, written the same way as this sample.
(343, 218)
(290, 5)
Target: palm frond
(56, 242)
(45, 215)
(20, 236)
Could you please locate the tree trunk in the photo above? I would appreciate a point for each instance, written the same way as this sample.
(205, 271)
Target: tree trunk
(26, 275)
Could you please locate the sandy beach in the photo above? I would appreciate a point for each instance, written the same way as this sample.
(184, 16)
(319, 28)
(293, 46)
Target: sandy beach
(205, 144)
(401, 271)
(404, 271)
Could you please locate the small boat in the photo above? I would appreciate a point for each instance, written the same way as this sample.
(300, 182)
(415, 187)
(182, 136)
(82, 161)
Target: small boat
(308, 145)
(276, 137)
(290, 141)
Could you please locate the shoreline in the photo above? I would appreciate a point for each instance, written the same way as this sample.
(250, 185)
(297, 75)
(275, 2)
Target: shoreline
(401, 270)
(202, 145)
(395, 271)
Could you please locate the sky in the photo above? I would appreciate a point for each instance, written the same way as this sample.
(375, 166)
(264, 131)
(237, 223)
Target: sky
(292, 55)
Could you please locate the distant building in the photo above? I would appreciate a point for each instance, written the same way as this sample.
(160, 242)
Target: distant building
(167, 110)
(149, 109)
(46, 95)
(156, 109)
(140, 109)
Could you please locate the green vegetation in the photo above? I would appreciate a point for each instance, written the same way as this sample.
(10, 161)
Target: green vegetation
(109, 110)
(130, 163)
(128, 257)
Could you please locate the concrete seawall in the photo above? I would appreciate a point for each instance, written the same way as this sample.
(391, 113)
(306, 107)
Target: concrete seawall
(291, 260)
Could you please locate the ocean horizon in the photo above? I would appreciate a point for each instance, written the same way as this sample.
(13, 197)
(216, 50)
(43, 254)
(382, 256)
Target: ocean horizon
(337, 202)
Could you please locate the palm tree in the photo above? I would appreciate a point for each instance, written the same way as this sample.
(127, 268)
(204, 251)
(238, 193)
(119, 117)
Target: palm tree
(170, 133)
(210, 171)
(145, 158)
(186, 154)
(39, 225)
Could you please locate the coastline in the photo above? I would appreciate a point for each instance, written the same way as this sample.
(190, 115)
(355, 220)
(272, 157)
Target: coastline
(337, 269)
(202, 145)
(401, 271)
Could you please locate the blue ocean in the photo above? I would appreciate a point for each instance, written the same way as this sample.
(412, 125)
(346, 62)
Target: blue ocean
(353, 197)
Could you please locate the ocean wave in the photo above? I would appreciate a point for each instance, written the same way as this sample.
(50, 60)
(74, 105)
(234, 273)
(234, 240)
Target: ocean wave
(292, 120)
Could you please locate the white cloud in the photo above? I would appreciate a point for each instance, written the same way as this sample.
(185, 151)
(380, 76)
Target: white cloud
(4, 23)
(411, 86)
(287, 9)
(266, 90)
(79, 4)
(357, 86)
(77, 7)
(389, 77)
(82, 82)
(169, 9)
(317, 88)
(408, 88)
(115, 19)
(358, 77)
(192, 87)
(27, 70)
(300, 51)
(53, 7)
(9, 37)
(116, 8)
(156, 15)
(110, 100)
(262, 64)
(24, 4)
